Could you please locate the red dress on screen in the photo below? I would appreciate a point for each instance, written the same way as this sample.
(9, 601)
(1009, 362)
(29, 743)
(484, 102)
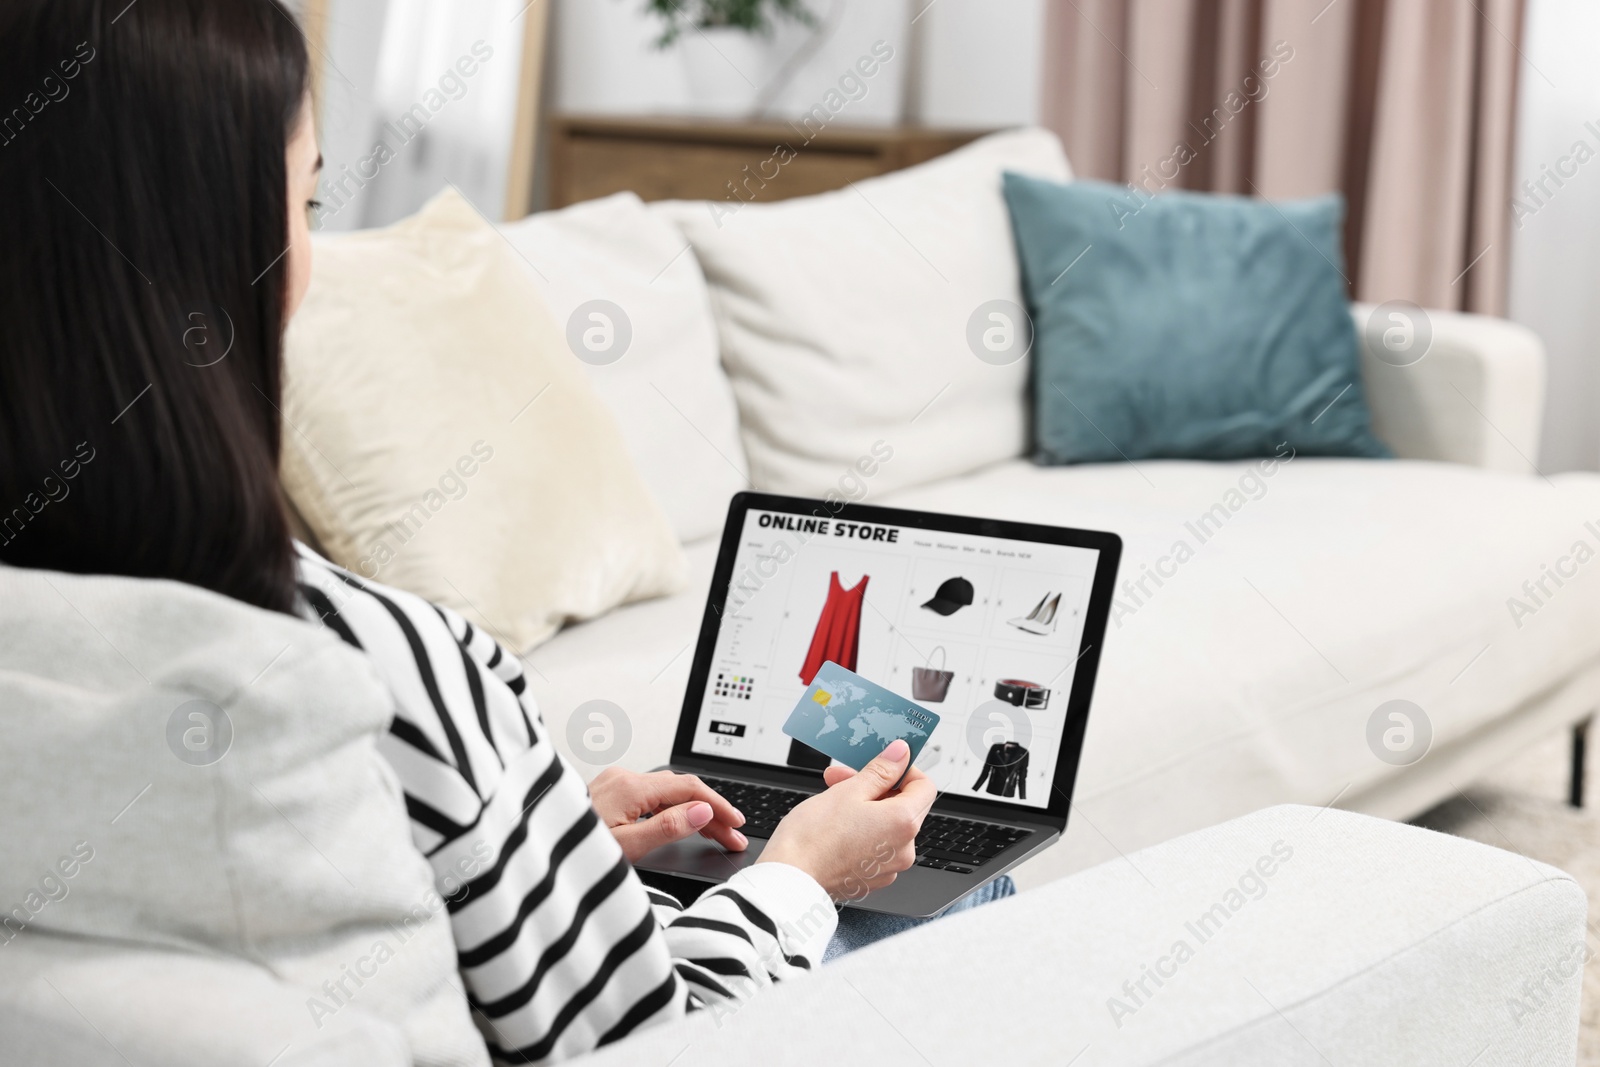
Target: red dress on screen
(838, 635)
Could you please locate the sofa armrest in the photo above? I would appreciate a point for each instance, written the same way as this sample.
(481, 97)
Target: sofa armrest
(1476, 397)
(1295, 935)
(67, 1001)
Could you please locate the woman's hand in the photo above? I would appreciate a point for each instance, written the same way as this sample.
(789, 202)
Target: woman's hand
(679, 805)
(861, 831)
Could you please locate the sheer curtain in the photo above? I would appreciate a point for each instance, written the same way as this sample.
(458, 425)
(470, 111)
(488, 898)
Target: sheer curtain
(1555, 261)
(1406, 107)
(394, 75)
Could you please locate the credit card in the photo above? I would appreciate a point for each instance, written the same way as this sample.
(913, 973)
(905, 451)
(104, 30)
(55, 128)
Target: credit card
(853, 720)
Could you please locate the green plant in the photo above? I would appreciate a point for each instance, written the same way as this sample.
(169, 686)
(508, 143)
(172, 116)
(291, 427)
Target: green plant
(752, 16)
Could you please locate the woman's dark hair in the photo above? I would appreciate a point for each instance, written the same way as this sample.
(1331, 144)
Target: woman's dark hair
(143, 226)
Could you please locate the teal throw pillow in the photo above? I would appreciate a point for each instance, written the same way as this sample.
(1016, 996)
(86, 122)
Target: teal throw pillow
(1186, 325)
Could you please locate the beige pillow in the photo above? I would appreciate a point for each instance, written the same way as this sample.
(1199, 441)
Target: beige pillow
(439, 435)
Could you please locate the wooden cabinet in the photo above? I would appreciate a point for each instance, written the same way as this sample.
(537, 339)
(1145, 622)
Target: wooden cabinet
(706, 159)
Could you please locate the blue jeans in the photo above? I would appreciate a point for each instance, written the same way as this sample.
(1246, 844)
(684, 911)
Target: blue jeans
(860, 928)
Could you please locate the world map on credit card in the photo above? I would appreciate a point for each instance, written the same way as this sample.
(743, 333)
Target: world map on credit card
(851, 719)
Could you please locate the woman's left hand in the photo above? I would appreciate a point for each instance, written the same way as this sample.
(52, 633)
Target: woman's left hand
(679, 805)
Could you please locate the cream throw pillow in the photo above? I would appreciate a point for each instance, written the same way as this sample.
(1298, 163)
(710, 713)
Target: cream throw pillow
(440, 436)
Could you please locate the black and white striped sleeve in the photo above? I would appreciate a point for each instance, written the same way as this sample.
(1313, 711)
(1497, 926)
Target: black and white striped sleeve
(561, 948)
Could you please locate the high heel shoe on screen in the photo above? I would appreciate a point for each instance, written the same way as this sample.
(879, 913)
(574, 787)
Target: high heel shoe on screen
(1042, 619)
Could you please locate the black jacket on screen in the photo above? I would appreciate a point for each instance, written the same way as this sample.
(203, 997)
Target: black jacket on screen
(1007, 770)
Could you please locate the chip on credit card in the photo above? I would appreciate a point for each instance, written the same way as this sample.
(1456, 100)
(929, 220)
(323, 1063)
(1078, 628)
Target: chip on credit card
(853, 720)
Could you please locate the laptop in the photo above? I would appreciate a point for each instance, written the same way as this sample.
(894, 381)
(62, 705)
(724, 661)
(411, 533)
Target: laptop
(995, 626)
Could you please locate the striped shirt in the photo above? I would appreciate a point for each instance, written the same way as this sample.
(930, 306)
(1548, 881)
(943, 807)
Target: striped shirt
(561, 948)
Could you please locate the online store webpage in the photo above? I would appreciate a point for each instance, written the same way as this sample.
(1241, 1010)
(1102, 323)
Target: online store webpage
(984, 631)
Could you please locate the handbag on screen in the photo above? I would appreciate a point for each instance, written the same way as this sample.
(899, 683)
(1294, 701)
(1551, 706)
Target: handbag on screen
(929, 683)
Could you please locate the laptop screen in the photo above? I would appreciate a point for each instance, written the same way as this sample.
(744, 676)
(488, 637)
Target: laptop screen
(984, 630)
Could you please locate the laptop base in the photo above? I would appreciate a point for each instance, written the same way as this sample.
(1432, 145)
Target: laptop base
(920, 892)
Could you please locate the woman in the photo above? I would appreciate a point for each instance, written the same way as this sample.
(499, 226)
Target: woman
(158, 177)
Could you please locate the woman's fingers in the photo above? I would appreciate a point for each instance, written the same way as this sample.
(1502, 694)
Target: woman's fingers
(665, 827)
(917, 791)
(837, 773)
(680, 805)
(879, 777)
(725, 835)
(668, 787)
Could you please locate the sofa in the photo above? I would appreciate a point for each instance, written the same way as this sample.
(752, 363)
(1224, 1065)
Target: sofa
(1249, 679)
(1250, 674)
(1236, 796)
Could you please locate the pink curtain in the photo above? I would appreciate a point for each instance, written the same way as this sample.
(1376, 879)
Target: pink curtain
(1404, 106)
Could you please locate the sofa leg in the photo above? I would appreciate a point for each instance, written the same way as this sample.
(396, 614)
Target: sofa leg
(1580, 743)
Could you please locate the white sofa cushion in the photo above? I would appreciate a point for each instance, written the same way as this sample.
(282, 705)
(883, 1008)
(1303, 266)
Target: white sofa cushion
(175, 1009)
(202, 778)
(666, 388)
(1211, 703)
(1307, 939)
(845, 316)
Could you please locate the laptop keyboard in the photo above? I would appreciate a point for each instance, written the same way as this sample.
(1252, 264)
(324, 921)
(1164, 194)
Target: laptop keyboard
(944, 843)
(763, 805)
